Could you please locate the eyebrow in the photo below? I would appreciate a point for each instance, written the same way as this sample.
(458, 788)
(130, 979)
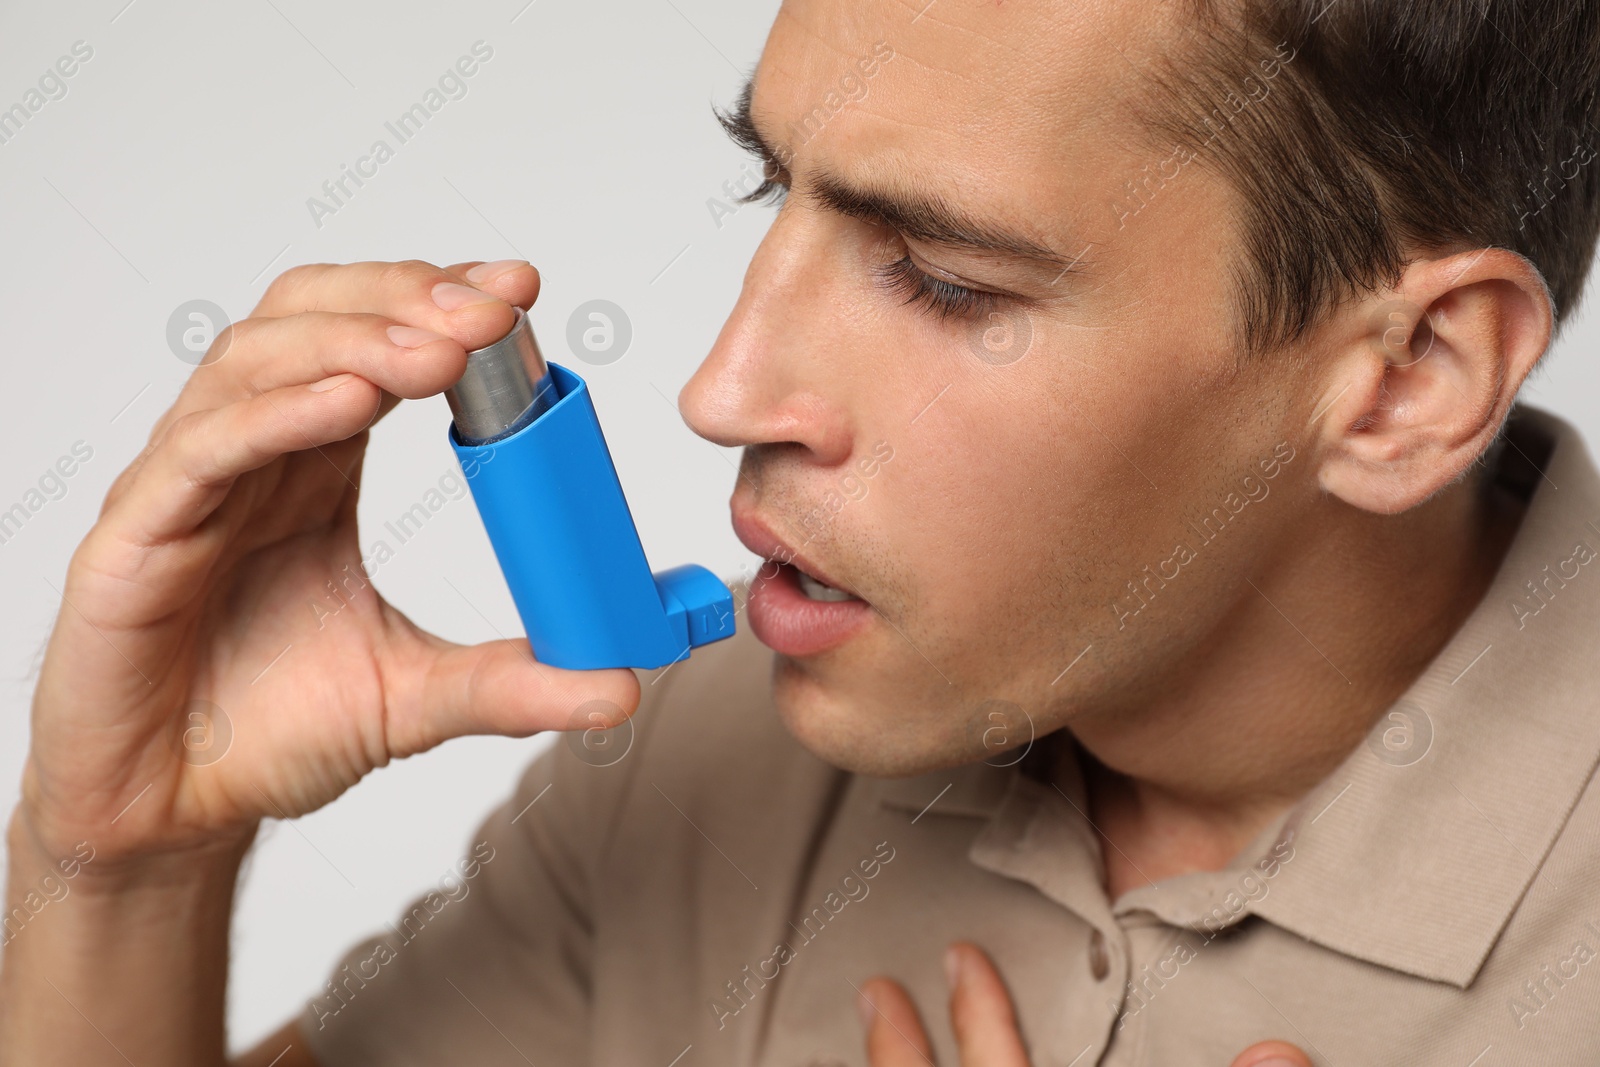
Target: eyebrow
(921, 216)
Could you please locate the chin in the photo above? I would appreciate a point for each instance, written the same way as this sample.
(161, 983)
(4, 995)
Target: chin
(851, 731)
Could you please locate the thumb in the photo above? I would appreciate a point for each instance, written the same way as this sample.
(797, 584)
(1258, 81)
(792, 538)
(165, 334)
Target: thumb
(1272, 1054)
(498, 687)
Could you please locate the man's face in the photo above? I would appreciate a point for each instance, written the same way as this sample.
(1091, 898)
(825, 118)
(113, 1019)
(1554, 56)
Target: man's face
(994, 481)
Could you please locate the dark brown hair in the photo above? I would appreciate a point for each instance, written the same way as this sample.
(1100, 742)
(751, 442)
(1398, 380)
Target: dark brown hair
(1361, 132)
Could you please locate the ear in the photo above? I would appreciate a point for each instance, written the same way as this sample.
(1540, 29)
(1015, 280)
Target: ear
(1423, 381)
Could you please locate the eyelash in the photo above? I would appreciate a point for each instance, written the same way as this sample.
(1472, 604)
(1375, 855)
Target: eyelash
(773, 188)
(935, 295)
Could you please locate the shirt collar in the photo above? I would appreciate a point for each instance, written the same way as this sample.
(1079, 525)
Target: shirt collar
(1414, 853)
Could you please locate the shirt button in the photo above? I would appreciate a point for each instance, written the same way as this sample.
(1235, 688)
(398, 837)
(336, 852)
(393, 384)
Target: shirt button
(1099, 962)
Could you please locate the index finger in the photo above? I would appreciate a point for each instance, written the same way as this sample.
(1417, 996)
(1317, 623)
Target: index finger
(411, 292)
(513, 280)
(895, 1035)
(981, 1012)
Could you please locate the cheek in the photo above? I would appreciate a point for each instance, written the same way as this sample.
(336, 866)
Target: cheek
(1015, 495)
(1034, 493)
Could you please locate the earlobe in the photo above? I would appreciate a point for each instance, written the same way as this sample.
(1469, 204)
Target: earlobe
(1428, 376)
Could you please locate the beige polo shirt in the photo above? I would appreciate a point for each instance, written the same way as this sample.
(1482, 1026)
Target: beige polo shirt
(712, 896)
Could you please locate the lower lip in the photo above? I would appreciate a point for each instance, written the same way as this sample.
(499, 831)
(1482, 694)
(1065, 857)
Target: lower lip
(787, 621)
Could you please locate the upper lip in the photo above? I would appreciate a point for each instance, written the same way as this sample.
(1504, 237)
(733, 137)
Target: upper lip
(754, 533)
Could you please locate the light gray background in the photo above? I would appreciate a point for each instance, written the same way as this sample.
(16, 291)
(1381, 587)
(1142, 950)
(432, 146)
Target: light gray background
(178, 166)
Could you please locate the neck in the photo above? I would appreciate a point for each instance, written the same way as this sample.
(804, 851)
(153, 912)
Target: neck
(1260, 713)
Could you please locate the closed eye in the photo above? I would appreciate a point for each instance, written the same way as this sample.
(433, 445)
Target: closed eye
(935, 295)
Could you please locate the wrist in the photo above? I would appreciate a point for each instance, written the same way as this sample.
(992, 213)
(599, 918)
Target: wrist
(44, 852)
(137, 943)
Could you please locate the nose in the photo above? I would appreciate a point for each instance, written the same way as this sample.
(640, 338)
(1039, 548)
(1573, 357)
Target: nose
(779, 371)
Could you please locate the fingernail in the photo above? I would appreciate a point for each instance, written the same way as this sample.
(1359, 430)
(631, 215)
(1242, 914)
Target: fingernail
(952, 966)
(451, 297)
(1276, 1061)
(484, 271)
(330, 383)
(412, 336)
(869, 1013)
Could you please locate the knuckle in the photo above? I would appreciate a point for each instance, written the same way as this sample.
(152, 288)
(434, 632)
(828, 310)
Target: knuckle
(363, 332)
(408, 274)
(183, 434)
(349, 340)
(158, 430)
(87, 557)
(225, 339)
(185, 404)
(319, 327)
(123, 481)
(290, 287)
(229, 335)
(357, 342)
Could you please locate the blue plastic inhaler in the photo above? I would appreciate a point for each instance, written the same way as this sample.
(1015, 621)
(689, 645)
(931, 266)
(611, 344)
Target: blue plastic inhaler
(541, 474)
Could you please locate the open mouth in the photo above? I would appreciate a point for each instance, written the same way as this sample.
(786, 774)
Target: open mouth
(818, 590)
(798, 614)
(794, 609)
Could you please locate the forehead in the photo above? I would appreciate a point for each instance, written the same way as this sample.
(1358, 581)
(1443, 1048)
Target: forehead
(982, 100)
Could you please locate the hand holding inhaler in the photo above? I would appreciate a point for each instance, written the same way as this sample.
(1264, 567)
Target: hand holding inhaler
(541, 474)
(221, 653)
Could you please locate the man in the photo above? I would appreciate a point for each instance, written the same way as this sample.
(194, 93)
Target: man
(1168, 610)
